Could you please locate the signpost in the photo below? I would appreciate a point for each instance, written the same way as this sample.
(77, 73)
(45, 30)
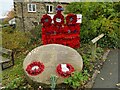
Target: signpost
(94, 43)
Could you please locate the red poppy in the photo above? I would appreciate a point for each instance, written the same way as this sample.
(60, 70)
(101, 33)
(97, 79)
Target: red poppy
(35, 68)
(58, 19)
(46, 20)
(71, 19)
(62, 73)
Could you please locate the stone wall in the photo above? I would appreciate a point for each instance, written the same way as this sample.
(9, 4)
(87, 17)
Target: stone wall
(27, 20)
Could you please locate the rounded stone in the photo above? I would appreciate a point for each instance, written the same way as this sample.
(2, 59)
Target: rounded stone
(51, 55)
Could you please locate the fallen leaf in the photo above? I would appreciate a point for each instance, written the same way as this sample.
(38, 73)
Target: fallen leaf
(98, 65)
(118, 84)
(101, 63)
(102, 78)
(110, 73)
(98, 71)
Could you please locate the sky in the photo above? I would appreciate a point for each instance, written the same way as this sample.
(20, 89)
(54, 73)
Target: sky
(5, 7)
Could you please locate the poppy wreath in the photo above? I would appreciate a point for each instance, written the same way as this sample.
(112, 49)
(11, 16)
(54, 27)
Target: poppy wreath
(58, 19)
(64, 74)
(35, 68)
(46, 20)
(71, 19)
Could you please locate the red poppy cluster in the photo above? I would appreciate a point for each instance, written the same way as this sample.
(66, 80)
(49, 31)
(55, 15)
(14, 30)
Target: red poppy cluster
(64, 74)
(35, 68)
(71, 19)
(60, 33)
(67, 35)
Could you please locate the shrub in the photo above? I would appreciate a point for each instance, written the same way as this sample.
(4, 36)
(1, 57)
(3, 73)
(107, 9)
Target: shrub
(77, 79)
(87, 62)
(16, 84)
(14, 40)
(35, 36)
(98, 18)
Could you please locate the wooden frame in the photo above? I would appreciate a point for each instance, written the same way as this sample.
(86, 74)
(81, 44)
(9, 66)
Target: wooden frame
(94, 44)
(28, 7)
(9, 59)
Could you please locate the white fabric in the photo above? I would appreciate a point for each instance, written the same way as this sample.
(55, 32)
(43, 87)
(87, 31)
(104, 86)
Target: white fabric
(58, 20)
(64, 68)
(35, 67)
(79, 18)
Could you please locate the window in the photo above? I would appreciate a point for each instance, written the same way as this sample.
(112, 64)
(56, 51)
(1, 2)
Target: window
(31, 7)
(50, 8)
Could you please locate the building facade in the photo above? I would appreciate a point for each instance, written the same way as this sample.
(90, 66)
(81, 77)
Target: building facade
(28, 14)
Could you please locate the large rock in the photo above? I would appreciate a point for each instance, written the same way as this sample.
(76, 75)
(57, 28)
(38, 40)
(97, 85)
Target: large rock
(51, 55)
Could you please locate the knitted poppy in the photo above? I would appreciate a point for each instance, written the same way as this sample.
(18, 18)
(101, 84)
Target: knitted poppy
(46, 20)
(71, 19)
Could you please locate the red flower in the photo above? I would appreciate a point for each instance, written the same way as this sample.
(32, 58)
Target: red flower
(35, 68)
(71, 19)
(64, 74)
(59, 9)
(46, 20)
(58, 19)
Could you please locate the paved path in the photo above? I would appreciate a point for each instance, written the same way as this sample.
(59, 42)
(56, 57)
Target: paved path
(108, 77)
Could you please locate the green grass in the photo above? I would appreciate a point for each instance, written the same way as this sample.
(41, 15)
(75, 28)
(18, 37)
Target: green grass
(14, 72)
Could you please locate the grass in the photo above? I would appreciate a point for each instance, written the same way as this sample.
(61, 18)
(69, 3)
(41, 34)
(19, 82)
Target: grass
(13, 72)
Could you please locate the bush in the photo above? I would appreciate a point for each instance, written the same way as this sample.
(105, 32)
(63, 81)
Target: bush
(98, 18)
(78, 79)
(35, 36)
(15, 84)
(14, 40)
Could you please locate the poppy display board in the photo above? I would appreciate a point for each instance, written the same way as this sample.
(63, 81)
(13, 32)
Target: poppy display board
(63, 35)
(56, 31)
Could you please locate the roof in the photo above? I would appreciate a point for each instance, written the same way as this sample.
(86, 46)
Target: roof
(3, 17)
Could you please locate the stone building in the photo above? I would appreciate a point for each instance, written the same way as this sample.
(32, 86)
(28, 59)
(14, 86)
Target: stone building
(29, 12)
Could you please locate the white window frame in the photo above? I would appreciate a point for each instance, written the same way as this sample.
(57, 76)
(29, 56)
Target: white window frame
(31, 7)
(48, 5)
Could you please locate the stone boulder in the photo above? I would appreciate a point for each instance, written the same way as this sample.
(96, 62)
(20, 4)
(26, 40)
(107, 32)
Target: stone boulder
(51, 55)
